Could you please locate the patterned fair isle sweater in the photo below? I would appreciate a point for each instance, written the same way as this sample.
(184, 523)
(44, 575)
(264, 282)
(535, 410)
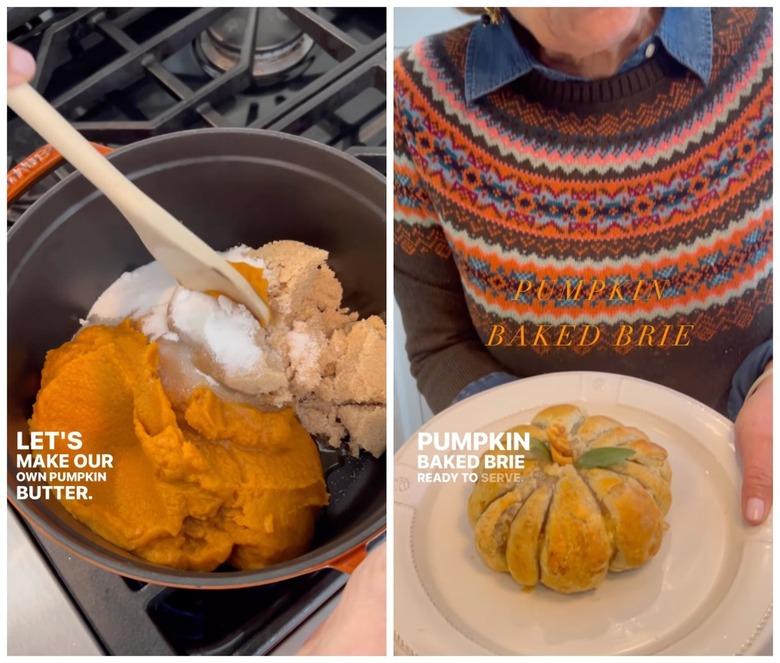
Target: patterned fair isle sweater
(621, 225)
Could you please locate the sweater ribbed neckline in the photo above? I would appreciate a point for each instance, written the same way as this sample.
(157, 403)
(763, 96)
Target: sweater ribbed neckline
(604, 90)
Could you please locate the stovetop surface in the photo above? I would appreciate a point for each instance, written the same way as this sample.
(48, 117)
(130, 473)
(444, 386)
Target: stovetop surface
(122, 75)
(120, 616)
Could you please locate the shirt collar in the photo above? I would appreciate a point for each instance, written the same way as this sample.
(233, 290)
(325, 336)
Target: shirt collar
(495, 56)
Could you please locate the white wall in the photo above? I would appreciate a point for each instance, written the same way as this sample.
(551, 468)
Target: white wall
(411, 410)
(414, 23)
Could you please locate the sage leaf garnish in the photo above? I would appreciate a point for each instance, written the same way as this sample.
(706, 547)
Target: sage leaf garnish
(603, 457)
(540, 450)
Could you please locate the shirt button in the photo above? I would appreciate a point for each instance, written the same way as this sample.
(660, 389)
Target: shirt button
(649, 50)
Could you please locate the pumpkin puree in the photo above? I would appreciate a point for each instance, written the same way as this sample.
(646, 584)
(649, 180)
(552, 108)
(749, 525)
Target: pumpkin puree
(190, 488)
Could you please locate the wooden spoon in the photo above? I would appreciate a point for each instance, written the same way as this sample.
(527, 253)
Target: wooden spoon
(192, 262)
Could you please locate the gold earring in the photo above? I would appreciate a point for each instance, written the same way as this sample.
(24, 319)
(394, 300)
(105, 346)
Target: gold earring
(492, 16)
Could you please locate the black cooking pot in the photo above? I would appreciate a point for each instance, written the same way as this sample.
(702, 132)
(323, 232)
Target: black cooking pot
(229, 186)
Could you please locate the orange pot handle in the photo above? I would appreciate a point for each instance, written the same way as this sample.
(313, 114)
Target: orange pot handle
(350, 560)
(36, 166)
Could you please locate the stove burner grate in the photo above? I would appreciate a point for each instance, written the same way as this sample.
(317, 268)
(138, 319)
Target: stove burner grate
(122, 75)
(135, 76)
(280, 46)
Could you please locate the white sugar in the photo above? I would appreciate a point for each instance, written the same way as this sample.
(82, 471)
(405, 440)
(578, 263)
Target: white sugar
(227, 330)
(142, 294)
(231, 334)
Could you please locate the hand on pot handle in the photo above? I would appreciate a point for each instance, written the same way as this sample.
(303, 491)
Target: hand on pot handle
(21, 66)
(357, 625)
(754, 443)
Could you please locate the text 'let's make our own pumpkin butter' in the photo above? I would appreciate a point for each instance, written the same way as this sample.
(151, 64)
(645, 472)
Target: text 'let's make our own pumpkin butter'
(192, 486)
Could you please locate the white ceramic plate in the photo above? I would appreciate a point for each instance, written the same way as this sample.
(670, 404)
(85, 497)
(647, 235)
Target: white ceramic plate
(707, 591)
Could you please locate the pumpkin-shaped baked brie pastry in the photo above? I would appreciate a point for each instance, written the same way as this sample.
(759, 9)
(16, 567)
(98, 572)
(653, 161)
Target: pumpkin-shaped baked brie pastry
(591, 498)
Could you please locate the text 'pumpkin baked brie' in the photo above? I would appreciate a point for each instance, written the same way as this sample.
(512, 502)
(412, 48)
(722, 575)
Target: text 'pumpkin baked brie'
(591, 498)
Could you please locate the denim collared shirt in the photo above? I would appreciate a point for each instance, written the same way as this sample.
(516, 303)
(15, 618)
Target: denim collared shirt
(496, 57)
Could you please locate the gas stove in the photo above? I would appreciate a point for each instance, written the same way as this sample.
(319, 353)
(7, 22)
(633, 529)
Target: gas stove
(122, 75)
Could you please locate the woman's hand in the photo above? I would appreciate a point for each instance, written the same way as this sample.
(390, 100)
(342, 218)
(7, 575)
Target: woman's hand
(21, 66)
(357, 625)
(754, 444)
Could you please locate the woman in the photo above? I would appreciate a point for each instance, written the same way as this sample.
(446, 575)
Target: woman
(590, 189)
(21, 66)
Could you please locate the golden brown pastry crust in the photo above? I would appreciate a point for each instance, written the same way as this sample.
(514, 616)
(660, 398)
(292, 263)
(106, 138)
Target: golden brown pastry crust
(522, 550)
(502, 480)
(492, 528)
(569, 416)
(575, 549)
(632, 517)
(650, 479)
(594, 426)
(566, 525)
